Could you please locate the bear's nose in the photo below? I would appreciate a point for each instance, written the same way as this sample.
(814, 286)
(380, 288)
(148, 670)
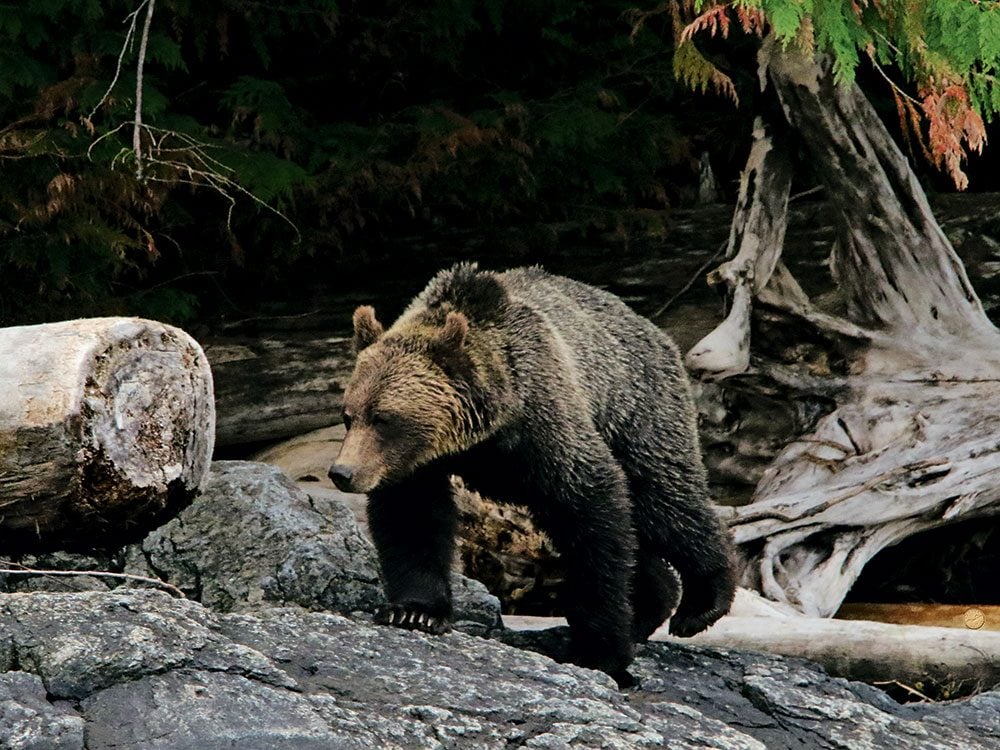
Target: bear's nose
(341, 475)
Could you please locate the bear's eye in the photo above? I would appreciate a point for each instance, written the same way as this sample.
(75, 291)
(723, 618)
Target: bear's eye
(347, 420)
(378, 420)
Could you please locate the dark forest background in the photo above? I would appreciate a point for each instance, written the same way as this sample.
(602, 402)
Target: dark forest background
(371, 128)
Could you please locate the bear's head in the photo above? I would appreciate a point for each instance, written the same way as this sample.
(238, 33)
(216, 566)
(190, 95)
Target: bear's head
(402, 407)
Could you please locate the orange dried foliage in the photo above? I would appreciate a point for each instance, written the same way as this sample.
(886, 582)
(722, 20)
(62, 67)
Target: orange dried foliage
(910, 124)
(951, 121)
(953, 126)
(751, 19)
(714, 20)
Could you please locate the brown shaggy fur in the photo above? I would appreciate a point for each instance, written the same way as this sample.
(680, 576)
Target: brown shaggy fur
(548, 393)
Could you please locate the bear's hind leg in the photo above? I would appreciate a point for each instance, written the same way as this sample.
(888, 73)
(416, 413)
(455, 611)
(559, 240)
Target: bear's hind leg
(671, 508)
(413, 525)
(655, 593)
(673, 516)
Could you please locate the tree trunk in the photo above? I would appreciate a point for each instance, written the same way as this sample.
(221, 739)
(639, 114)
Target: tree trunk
(268, 389)
(755, 240)
(908, 363)
(106, 431)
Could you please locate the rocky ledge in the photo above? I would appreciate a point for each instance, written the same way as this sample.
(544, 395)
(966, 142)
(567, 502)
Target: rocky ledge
(251, 666)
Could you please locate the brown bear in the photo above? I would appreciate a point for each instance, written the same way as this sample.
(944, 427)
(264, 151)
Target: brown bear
(548, 393)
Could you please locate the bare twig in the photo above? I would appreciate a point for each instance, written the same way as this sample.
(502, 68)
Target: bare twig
(133, 17)
(205, 171)
(137, 130)
(257, 318)
(804, 193)
(24, 570)
(90, 148)
(694, 277)
(903, 686)
(202, 170)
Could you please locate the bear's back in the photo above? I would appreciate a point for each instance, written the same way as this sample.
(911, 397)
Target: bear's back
(609, 347)
(590, 319)
(553, 324)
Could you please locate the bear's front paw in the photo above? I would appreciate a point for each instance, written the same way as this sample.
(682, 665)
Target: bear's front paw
(412, 617)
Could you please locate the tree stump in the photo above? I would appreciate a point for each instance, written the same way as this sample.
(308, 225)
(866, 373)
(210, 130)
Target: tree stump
(106, 430)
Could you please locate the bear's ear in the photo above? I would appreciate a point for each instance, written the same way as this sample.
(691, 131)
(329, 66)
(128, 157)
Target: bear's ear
(367, 329)
(451, 337)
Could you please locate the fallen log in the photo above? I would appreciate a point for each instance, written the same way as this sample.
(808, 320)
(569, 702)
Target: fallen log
(972, 617)
(945, 662)
(106, 431)
(272, 388)
(942, 661)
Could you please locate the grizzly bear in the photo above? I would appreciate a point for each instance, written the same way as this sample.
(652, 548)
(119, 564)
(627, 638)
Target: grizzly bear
(545, 392)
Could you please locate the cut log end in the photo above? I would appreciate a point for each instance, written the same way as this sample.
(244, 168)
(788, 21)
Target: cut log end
(109, 445)
(148, 409)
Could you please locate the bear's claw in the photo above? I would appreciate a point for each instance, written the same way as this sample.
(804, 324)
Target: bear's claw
(411, 618)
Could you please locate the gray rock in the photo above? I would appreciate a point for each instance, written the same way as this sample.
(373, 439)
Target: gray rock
(784, 703)
(147, 671)
(477, 611)
(411, 689)
(28, 721)
(834, 713)
(198, 710)
(150, 672)
(80, 643)
(140, 669)
(252, 538)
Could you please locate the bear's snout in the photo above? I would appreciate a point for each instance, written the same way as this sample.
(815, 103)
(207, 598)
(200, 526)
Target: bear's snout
(342, 476)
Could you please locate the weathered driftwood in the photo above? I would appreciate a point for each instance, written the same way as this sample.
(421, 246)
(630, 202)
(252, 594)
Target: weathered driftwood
(500, 546)
(985, 617)
(909, 366)
(755, 240)
(963, 661)
(271, 388)
(306, 458)
(941, 660)
(106, 430)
